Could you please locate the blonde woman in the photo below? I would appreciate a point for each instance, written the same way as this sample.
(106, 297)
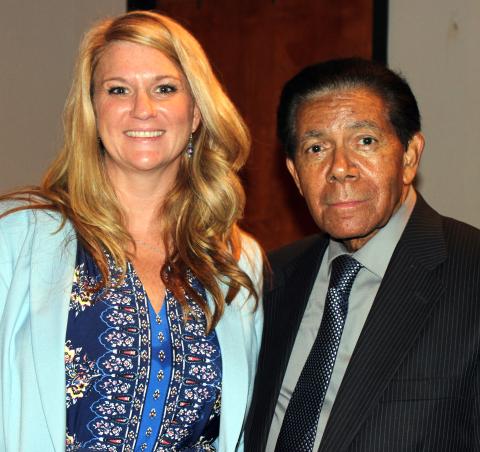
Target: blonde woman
(129, 298)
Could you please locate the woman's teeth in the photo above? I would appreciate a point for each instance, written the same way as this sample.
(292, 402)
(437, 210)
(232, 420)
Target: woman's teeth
(144, 133)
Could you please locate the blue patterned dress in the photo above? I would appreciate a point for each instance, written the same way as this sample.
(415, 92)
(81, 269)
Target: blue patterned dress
(137, 380)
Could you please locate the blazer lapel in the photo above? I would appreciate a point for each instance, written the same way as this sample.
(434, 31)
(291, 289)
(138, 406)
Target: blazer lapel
(400, 311)
(284, 306)
(293, 297)
(234, 378)
(50, 286)
(237, 360)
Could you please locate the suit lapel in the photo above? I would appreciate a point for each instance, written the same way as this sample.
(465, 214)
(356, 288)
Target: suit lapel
(294, 298)
(284, 307)
(400, 311)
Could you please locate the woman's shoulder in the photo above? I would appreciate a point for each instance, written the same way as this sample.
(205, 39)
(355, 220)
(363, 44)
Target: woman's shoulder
(16, 215)
(25, 230)
(249, 243)
(252, 255)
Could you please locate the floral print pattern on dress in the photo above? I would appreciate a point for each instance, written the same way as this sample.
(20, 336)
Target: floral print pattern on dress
(79, 372)
(137, 380)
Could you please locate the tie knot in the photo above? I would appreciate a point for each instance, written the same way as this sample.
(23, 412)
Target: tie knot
(344, 271)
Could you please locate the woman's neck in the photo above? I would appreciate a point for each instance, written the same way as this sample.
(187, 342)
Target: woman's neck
(141, 199)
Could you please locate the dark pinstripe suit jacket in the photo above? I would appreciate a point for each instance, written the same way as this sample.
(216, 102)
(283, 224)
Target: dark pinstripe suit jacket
(413, 382)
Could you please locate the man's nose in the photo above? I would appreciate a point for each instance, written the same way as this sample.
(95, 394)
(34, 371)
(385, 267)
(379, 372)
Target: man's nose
(342, 167)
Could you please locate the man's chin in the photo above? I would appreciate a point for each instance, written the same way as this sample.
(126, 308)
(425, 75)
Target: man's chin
(353, 240)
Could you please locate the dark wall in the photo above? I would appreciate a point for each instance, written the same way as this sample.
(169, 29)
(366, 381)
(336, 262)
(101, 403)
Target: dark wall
(255, 46)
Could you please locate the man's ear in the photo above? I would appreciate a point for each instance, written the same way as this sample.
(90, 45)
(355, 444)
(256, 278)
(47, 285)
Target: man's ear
(293, 171)
(411, 157)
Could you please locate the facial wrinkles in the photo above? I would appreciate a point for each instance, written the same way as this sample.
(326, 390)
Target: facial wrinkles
(337, 111)
(332, 121)
(352, 186)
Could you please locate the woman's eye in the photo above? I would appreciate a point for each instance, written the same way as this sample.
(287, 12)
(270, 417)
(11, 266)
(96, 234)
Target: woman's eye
(166, 89)
(118, 90)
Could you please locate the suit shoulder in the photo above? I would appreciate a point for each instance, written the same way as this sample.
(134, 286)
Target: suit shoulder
(462, 238)
(288, 254)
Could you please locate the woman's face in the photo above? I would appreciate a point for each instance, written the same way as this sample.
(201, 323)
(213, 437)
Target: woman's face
(144, 111)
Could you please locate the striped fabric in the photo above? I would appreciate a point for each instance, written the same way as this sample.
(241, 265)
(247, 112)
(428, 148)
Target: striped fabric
(413, 383)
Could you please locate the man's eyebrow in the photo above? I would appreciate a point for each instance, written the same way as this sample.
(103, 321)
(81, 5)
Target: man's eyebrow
(313, 134)
(364, 124)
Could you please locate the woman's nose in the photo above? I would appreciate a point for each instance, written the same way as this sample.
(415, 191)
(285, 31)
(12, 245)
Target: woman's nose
(144, 106)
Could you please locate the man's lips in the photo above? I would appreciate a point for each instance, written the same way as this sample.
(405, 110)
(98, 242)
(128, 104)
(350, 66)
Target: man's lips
(347, 204)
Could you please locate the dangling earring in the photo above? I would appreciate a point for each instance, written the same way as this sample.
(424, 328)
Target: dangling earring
(190, 147)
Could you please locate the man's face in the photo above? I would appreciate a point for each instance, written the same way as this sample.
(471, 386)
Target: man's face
(349, 164)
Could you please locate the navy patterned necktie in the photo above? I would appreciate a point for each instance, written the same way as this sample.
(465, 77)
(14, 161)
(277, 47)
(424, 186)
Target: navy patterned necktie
(299, 426)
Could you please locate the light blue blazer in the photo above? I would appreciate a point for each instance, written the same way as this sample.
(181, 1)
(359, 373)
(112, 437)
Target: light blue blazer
(36, 273)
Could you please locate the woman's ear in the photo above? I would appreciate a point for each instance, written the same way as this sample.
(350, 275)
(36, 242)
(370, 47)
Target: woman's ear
(196, 118)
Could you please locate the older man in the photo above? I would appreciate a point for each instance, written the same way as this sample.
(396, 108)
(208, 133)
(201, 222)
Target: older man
(372, 330)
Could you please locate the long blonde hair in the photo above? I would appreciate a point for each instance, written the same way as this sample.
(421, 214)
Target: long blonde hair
(202, 209)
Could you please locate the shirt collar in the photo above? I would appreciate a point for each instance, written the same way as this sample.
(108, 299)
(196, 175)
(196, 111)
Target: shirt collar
(377, 252)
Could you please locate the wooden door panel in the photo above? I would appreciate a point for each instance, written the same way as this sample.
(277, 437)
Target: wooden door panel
(254, 47)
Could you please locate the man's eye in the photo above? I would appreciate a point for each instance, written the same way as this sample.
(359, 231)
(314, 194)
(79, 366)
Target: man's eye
(315, 148)
(367, 141)
(117, 90)
(166, 89)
